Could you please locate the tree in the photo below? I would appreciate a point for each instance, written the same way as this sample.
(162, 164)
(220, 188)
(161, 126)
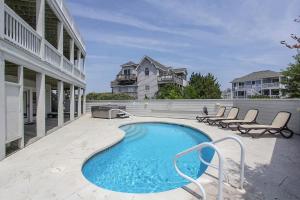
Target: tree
(169, 91)
(292, 73)
(108, 96)
(292, 81)
(202, 87)
(296, 45)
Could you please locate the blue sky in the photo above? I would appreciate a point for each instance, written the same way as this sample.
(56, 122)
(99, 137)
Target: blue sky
(228, 38)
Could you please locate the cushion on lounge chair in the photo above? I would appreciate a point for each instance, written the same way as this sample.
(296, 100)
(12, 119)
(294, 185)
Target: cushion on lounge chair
(249, 117)
(221, 111)
(281, 119)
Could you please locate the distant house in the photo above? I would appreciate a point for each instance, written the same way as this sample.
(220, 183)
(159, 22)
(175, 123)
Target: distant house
(226, 94)
(265, 83)
(144, 79)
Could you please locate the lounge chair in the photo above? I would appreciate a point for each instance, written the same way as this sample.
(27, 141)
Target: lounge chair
(233, 113)
(249, 118)
(279, 125)
(220, 113)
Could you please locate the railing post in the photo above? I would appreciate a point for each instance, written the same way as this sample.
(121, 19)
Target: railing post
(2, 19)
(40, 24)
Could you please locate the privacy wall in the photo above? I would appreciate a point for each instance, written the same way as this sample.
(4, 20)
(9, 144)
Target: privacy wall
(189, 109)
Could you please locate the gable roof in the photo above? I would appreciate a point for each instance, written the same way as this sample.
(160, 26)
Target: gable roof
(257, 75)
(156, 63)
(130, 63)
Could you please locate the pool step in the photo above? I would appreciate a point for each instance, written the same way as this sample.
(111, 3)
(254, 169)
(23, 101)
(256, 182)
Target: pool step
(122, 115)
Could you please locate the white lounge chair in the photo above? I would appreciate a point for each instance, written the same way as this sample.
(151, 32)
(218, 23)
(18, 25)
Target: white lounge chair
(279, 125)
(233, 113)
(249, 118)
(220, 113)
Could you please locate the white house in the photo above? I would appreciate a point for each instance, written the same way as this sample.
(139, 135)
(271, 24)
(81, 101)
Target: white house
(42, 75)
(266, 83)
(144, 79)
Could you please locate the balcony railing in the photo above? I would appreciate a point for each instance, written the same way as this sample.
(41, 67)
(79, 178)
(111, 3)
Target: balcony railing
(123, 77)
(76, 72)
(70, 21)
(67, 65)
(20, 33)
(170, 79)
(270, 85)
(52, 55)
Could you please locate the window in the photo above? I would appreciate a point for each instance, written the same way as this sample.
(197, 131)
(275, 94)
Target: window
(126, 71)
(147, 87)
(146, 71)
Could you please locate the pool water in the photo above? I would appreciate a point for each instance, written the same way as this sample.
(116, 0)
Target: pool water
(143, 161)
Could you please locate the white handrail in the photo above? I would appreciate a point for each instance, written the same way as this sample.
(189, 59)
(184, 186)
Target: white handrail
(242, 159)
(220, 167)
(221, 161)
(116, 109)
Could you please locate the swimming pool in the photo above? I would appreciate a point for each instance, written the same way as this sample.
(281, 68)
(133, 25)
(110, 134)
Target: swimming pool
(143, 161)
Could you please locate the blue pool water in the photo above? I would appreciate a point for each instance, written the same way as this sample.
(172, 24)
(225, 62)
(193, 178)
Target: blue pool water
(143, 161)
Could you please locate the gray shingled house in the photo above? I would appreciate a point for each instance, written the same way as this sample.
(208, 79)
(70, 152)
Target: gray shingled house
(144, 79)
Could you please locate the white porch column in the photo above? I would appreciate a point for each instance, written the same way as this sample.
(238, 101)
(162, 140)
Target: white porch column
(2, 14)
(21, 114)
(72, 102)
(2, 108)
(60, 40)
(72, 51)
(40, 23)
(78, 58)
(84, 101)
(40, 101)
(60, 100)
(79, 102)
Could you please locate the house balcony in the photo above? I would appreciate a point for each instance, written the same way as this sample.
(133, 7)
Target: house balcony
(18, 32)
(122, 77)
(271, 85)
(170, 79)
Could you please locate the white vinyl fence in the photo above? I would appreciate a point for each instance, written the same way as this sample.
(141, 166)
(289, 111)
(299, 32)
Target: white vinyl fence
(190, 108)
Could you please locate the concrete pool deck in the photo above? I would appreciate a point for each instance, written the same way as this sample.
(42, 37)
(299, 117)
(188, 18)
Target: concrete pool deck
(51, 167)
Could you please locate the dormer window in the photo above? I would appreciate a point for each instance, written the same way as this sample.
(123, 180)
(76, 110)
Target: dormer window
(146, 71)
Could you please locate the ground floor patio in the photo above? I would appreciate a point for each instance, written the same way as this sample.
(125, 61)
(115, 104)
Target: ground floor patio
(51, 167)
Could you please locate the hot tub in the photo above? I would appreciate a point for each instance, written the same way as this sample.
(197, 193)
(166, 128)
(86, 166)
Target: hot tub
(103, 111)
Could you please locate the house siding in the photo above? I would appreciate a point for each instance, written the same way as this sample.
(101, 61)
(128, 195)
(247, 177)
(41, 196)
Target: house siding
(144, 80)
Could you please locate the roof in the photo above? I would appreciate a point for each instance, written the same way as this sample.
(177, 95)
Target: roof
(257, 75)
(180, 70)
(130, 63)
(156, 63)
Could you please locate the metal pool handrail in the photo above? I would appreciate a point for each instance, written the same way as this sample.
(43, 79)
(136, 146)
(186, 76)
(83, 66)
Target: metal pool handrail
(219, 167)
(116, 109)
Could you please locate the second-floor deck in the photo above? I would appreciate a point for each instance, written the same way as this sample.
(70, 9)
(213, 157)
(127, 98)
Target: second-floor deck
(259, 86)
(22, 35)
(171, 79)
